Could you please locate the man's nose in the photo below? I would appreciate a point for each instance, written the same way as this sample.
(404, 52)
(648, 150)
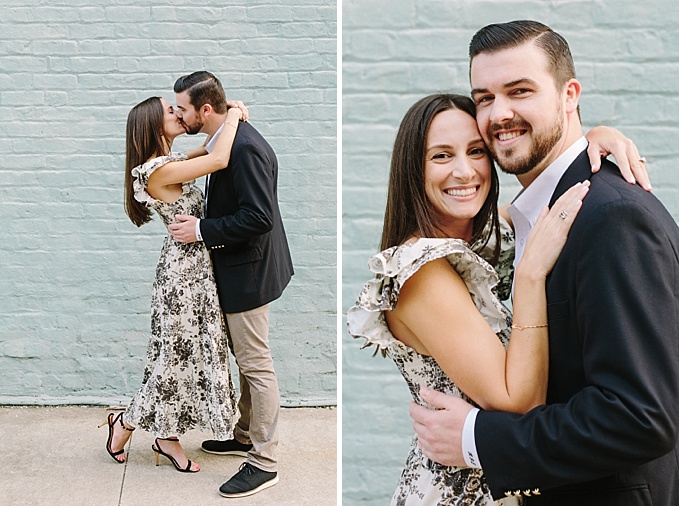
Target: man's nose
(501, 111)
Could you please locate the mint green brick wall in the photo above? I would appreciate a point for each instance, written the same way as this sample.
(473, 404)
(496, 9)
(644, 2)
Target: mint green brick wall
(75, 274)
(395, 52)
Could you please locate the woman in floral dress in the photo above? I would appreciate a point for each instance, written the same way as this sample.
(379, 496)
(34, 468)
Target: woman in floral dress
(187, 379)
(434, 303)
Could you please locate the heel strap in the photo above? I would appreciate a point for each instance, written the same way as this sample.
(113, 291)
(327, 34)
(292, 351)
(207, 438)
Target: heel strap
(122, 424)
(168, 438)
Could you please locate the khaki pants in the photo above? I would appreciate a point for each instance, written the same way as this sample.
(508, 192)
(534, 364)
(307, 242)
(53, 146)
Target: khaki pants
(259, 402)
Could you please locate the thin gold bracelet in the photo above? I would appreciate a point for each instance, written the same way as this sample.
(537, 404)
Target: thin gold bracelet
(522, 327)
(232, 125)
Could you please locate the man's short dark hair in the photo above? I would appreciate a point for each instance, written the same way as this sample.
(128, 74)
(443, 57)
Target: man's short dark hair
(203, 88)
(499, 36)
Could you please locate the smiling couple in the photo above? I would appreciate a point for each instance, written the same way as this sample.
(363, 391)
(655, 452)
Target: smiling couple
(572, 398)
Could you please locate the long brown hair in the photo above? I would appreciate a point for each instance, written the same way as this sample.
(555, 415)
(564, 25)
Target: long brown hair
(408, 209)
(145, 138)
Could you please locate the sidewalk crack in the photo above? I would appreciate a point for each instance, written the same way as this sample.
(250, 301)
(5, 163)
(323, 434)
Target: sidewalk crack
(127, 460)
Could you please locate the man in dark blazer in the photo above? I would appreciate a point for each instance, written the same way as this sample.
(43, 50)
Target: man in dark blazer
(608, 433)
(251, 260)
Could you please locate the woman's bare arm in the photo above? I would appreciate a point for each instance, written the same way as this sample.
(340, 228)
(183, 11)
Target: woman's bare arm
(186, 170)
(436, 316)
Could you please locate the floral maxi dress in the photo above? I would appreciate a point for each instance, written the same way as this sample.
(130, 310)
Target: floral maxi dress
(187, 378)
(423, 482)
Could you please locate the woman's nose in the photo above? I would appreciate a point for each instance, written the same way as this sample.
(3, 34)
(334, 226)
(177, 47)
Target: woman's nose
(463, 169)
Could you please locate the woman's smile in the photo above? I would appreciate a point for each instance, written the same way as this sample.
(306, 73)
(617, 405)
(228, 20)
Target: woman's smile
(465, 193)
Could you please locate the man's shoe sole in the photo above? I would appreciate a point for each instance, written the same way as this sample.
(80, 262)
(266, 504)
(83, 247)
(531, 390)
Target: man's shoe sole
(264, 485)
(238, 453)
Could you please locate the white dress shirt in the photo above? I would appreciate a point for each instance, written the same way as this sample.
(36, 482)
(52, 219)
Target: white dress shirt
(208, 147)
(524, 212)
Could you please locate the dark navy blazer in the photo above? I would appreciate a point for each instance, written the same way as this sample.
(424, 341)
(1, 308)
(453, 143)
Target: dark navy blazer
(243, 227)
(608, 434)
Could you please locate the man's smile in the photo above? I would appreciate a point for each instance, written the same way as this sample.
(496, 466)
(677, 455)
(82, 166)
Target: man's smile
(507, 136)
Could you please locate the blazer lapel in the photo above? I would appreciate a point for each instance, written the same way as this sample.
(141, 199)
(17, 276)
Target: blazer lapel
(207, 180)
(578, 171)
(209, 184)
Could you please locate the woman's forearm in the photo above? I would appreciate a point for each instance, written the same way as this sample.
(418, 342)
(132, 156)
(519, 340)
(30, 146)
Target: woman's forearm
(196, 152)
(222, 149)
(528, 349)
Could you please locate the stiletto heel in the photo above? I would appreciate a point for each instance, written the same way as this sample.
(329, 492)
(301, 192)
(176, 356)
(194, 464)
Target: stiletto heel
(111, 422)
(156, 449)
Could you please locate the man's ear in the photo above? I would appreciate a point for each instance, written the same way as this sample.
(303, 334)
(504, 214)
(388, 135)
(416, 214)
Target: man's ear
(572, 89)
(206, 110)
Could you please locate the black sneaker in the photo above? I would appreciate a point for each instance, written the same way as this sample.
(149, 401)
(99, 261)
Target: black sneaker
(247, 481)
(230, 447)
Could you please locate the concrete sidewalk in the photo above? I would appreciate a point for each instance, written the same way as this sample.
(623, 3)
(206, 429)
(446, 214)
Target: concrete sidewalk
(56, 456)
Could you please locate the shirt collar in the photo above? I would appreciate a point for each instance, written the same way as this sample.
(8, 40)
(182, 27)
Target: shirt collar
(532, 199)
(211, 145)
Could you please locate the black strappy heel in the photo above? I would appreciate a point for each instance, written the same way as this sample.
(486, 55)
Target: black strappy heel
(156, 448)
(111, 422)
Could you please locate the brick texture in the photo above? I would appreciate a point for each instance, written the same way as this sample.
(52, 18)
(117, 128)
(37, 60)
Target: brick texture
(395, 53)
(75, 274)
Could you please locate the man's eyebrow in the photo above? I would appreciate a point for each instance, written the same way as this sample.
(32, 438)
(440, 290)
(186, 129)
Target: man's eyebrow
(523, 80)
(511, 84)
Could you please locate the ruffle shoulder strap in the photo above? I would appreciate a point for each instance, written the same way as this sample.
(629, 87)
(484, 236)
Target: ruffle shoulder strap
(141, 174)
(394, 266)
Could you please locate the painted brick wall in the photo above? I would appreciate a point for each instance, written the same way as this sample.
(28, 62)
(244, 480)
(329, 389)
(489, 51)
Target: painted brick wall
(626, 55)
(75, 274)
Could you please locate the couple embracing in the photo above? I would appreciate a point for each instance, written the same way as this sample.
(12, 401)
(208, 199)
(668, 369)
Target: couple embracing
(570, 399)
(225, 259)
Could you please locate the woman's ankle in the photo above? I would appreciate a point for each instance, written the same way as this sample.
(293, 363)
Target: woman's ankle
(126, 425)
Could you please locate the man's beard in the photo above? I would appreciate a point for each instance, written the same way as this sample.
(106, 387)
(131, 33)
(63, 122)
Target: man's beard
(192, 129)
(542, 145)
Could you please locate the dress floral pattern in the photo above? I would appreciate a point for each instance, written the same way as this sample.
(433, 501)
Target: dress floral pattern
(504, 265)
(187, 378)
(424, 482)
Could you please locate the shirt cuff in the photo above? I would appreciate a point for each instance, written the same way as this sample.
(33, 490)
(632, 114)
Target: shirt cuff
(199, 237)
(471, 457)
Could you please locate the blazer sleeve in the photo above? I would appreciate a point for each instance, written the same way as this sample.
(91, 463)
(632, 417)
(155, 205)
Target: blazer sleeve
(627, 323)
(254, 183)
